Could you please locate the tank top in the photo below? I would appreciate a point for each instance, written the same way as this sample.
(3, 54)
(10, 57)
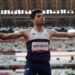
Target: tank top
(38, 46)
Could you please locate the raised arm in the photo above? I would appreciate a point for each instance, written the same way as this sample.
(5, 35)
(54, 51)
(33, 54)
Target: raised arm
(18, 34)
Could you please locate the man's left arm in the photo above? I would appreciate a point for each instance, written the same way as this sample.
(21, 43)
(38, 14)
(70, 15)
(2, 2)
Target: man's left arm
(62, 34)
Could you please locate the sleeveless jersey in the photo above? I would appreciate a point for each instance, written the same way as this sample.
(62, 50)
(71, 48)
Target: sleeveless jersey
(38, 46)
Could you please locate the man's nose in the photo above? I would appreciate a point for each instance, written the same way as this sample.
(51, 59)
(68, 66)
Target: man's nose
(42, 17)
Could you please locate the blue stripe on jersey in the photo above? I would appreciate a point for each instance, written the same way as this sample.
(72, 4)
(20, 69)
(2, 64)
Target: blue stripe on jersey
(37, 56)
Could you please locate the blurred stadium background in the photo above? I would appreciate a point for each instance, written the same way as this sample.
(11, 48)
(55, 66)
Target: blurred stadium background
(14, 15)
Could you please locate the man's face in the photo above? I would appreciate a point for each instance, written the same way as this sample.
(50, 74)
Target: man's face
(39, 19)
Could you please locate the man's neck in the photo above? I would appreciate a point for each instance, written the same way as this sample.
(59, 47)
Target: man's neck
(39, 28)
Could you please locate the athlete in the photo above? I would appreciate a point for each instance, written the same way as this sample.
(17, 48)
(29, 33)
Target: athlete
(37, 42)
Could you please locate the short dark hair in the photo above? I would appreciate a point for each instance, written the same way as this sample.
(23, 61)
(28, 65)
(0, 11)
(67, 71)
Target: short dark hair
(34, 12)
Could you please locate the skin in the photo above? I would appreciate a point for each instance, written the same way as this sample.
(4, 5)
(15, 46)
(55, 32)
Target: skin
(38, 22)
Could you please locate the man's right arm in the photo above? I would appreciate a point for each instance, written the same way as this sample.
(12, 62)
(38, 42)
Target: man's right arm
(11, 35)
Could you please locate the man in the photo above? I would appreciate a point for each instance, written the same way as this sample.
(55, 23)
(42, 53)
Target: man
(37, 41)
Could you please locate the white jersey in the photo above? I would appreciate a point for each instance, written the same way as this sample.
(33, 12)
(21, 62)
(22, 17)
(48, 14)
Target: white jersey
(38, 45)
(38, 35)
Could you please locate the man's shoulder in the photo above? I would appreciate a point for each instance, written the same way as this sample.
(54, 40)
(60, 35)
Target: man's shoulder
(51, 31)
(24, 30)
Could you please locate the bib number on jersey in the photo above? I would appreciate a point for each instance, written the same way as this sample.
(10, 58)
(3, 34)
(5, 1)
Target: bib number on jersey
(40, 46)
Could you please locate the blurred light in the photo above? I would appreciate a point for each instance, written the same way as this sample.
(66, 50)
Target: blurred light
(9, 12)
(72, 12)
(43, 12)
(54, 12)
(62, 12)
(58, 12)
(29, 12)
(12, 12)
(2, 12)
(51, 12)
(15, 12)
(71, 30)
(26, 12)
(5, 11)
(68, 12)
(47, 11)
(19, 11)
(22, 11)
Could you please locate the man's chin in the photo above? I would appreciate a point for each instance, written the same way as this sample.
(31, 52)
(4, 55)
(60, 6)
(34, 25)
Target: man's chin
(41, 24)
